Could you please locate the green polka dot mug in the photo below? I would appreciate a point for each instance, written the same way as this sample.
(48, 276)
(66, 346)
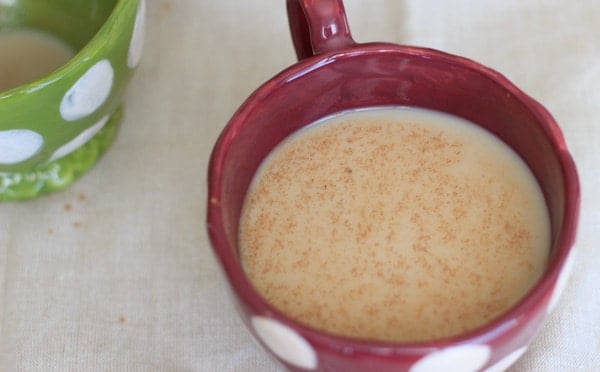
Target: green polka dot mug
(55, 128)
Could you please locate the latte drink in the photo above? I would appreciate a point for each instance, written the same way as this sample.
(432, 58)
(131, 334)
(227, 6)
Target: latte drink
(27, 55)
(394, 224)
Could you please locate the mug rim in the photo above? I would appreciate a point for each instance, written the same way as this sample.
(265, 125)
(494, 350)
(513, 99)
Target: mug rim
(101, 37)
(538, 296)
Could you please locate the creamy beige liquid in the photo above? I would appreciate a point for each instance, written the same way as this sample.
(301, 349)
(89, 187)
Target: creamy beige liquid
(27, 55)
(394, 224)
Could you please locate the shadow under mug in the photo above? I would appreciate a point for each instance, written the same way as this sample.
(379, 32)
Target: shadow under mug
(335, 74)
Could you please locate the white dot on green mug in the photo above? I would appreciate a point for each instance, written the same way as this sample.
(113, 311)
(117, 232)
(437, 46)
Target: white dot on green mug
(80, 140)
(17, 145)
(89, 92)
(137, 38)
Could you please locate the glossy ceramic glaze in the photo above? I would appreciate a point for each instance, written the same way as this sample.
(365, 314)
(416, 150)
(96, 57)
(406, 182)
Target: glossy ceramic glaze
(335, 74)
(62, 123)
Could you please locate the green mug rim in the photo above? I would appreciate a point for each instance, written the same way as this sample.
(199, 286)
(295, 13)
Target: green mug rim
(87, 50)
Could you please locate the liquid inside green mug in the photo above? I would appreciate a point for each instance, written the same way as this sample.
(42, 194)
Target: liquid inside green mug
(55, 128)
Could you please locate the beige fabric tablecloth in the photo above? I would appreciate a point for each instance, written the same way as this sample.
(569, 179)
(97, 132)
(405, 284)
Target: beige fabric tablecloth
(116, 273)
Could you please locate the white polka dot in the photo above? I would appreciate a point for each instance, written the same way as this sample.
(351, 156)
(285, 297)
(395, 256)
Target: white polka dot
(285, 343)
(17, 145)
(561, 283)
(80, 140)
(508, 361)
(463, 358)
(136, 45)
(89, 92)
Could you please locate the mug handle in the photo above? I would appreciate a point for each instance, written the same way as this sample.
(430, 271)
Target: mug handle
(318, 26)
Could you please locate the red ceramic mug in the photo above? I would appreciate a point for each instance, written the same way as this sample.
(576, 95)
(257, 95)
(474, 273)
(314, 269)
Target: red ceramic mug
(335, 74)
